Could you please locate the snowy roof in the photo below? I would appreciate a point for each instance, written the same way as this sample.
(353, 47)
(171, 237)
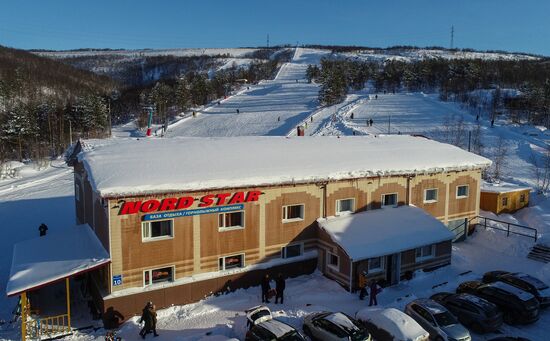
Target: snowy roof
(502, 188)
(384, 231)
(43, 260)
(396, 322)
(121, 167)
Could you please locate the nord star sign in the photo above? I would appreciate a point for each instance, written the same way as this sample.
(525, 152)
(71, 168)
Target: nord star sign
(181, 203)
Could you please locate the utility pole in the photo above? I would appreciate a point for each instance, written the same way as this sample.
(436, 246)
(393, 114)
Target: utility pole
(268, 40)
(70, 133)
(110, 124)
(469, 139)
(389, 124)
(452, 36)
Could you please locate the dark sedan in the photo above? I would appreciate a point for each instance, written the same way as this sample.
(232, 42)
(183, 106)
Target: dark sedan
(518, 306)
(472, 311)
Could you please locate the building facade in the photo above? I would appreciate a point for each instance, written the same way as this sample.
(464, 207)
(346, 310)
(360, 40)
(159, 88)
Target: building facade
(176, 247)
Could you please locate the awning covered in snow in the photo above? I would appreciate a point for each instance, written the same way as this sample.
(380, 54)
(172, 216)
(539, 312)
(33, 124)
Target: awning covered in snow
(385, 231)
(44, 260)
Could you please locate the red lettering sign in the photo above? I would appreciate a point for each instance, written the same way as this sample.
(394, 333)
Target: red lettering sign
(169, 204)
(150, 205)
(130, 207)
(185, 202)
(207, 200)
(237, 198)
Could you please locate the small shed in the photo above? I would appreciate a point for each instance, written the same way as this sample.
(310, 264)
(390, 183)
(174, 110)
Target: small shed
(383, 244)
(50, 259)
(503, 198)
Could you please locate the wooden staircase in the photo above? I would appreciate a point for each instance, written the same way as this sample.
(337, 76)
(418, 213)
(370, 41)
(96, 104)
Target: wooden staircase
(540, 252)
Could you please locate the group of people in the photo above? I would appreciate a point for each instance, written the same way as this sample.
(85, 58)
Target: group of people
(149, 320)
(373, 290)
(267, 292)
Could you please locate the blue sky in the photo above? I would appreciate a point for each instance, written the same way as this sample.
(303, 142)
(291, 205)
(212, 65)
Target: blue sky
(481, 24)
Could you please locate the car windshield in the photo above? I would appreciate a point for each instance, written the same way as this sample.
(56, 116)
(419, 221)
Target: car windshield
(292, 336)
(358, 334)
(254, 317)
(445, 319)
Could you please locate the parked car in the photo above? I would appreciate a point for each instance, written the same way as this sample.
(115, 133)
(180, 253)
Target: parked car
(518, 306)
(437, 320)
(509, 338)
(472, 311)
(525, 282)
(391, 325)
(327, 326)
(262, 326)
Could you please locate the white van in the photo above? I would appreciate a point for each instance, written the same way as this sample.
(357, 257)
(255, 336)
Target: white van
(391, 324)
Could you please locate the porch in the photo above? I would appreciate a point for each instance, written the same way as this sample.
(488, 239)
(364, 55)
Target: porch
(42, 272)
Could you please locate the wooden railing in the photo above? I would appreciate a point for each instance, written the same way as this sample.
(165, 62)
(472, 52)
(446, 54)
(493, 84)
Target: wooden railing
(48, 326)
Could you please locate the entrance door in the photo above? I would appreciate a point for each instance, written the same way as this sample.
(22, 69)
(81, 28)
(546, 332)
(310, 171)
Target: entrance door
(393, 268)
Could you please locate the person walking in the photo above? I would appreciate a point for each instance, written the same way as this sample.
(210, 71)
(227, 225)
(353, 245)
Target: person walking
(279, 288)
(375, 289)
(265, 289)
(43, 228)
(153, 312)
(370, 122)
(238, 111)
(147, 320)
(363, 292)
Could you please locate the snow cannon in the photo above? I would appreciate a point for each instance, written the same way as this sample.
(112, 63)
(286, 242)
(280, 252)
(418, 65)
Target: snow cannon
(150, 122)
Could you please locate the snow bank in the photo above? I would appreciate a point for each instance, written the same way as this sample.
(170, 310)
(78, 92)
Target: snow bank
(385, 231)
(144, 166)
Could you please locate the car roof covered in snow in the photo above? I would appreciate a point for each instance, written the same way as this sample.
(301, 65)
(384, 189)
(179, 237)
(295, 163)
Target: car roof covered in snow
(341, 320)
(119, 167)
(397, 323)
(276, 327)
(431, 305)
(385, 231)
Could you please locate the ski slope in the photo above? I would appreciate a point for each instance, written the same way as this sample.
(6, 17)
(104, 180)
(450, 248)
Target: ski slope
(272, 107)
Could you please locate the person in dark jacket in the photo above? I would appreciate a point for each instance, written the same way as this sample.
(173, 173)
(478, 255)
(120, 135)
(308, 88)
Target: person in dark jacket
(265, 289)
(149, 318)
(279, 288)
(153, 311)
(375, 289)
(43, 228)
(363, 292)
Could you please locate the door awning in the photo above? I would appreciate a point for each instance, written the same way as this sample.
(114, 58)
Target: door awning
(43, 260)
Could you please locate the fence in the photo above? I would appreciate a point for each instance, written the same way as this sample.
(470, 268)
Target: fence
(461, 231)
(48, 327)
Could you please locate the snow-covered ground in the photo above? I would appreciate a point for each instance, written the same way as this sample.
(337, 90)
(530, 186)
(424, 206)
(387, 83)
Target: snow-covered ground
(271, 107)
(47, 196)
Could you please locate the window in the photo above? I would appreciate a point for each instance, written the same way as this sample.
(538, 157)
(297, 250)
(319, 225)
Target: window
(333, 261)
(159, 229)
(231, 262)
(231, 221)
(290, 251)
(521, 198)
(345, 206)
(158, 275)
(505, 201)
(425, 252)
(376, 264)
(430, 195)
(462, 191)
(77, 191)
(389, 199)
(293, 213)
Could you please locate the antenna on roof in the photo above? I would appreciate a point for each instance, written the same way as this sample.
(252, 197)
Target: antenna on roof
(452, 36)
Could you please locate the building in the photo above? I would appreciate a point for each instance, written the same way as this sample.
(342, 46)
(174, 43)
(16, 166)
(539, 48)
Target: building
(186, 217)
(505, 198)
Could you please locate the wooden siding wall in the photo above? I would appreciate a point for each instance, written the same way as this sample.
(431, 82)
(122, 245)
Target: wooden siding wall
(490, 201)
(197, 243)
